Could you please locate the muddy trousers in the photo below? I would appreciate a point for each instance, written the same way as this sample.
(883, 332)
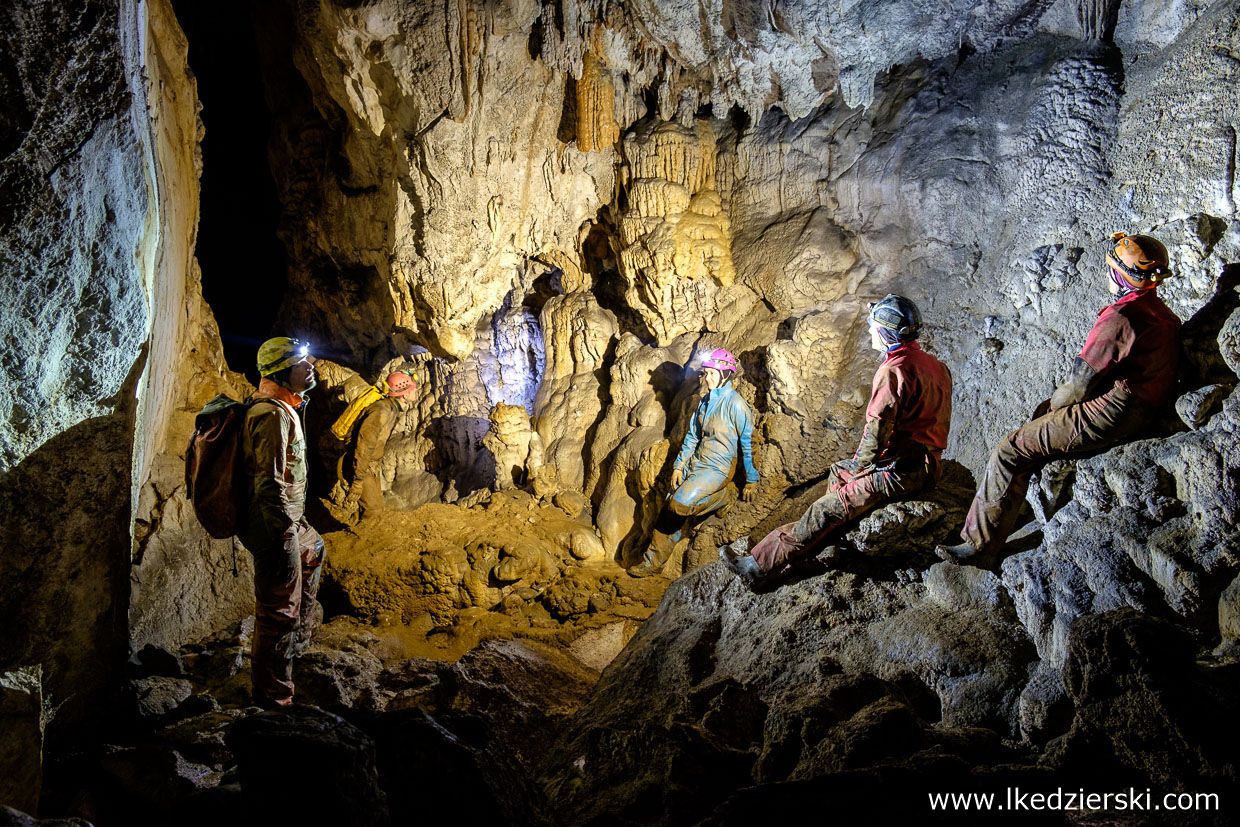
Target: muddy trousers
(285, 614)
(850, 495)
(1072, 431)
(699, 495)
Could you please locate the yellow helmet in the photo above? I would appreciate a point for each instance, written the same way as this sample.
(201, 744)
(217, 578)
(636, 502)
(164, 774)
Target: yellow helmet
(276, 354)
(1141, 260)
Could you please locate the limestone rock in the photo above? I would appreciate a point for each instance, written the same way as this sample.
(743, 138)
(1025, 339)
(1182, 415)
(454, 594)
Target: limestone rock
(1133, 681)
(1229, 620)
(10, 817)
(676, 256)
(273, 750)
(157, 696)
(515, 448)
(579, 335)
(23, 717)
(1196, 408)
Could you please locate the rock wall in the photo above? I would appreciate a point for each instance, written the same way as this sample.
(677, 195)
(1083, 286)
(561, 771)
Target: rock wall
(106, 335)
(75, 200)
(185, 585)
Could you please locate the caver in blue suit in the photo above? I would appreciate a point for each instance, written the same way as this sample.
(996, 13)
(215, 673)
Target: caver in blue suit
(720, 429)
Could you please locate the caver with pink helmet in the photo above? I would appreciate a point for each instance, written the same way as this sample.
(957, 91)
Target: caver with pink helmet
(721, 360)
(720, 434)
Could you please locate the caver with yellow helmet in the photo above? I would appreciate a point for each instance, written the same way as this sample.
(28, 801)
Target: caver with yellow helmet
(288, 553)
(1121, 378)
(277, 359)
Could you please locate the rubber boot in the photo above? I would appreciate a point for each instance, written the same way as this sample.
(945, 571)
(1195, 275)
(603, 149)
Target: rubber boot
(966, 555)
(744, 566)
(661, 546)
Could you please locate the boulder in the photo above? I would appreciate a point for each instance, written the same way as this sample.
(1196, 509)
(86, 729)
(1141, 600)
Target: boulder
(305, 764)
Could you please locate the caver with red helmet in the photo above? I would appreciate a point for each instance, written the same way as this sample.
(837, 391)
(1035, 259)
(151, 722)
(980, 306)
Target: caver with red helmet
(400, 384)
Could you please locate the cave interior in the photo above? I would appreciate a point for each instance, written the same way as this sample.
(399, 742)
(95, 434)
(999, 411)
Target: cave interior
(550, 213)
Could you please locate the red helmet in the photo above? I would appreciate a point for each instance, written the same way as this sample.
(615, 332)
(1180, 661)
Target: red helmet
(400, 384)
(720, 360)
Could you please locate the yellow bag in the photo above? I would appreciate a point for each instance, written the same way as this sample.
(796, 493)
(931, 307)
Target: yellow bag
(343, 426)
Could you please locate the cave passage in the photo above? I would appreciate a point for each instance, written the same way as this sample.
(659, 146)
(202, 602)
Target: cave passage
(243, 262)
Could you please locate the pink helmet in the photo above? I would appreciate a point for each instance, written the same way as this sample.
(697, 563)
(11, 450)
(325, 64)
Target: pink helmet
(720, 360)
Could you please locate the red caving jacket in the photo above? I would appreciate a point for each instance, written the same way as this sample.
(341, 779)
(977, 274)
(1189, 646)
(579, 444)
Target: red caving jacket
(1136, 345)
(913, 390)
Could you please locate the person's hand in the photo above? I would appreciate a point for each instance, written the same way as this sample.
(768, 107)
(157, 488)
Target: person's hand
(350, 508)
(849, 465)
(678, 477)
(751, 489)
(1063, 396)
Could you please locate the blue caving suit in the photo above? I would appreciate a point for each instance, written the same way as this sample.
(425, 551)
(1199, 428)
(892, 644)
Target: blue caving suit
(722, 421)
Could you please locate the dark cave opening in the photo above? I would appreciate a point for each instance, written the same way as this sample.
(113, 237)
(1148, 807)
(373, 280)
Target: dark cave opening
(243, 261)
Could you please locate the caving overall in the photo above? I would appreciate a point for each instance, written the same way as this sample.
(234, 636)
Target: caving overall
(358, 469)
(1134, 347)
(288, 553)
(907, 422)
(721, 423)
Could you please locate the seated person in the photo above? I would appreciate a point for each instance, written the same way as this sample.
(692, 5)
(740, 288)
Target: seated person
(1123, 375)
(906, 425)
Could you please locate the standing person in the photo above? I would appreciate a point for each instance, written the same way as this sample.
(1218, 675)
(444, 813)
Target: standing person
(1124, 374)
(906, 427)
(288, 553)
(720, 428)
(358, 469)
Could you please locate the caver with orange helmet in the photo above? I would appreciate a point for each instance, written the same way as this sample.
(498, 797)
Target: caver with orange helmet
(1121, 378)
(359, 487)
(720, 433)
(1138, 262)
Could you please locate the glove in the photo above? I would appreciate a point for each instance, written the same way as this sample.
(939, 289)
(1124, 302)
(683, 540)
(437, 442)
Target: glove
(678, 477)
(751, 490)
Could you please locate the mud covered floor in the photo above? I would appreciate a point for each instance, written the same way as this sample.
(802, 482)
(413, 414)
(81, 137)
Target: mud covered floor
(437, 581)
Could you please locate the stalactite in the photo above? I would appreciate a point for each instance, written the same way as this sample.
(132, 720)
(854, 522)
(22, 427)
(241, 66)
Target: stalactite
(596, 101)
(1097, 18)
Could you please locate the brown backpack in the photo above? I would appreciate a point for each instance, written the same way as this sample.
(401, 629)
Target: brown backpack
(215, 466)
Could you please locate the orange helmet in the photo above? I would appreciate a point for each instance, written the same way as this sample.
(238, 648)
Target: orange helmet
(400, 384)
(1140, 260)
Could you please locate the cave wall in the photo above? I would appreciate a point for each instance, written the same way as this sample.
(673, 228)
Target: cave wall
(75, 209)
(633, 188)
(185, 585)
(108, 344)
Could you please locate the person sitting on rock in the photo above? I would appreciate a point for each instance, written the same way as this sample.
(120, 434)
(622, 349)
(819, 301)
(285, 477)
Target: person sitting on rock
(906, 426)
(359, 485)
(1123, 375)
(720, 428)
